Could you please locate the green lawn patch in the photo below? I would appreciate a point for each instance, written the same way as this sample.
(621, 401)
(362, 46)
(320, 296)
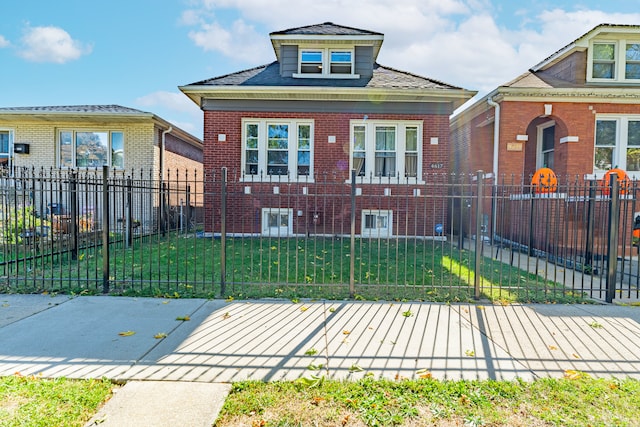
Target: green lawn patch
(561, 402)
(293, 267)
(32, 401)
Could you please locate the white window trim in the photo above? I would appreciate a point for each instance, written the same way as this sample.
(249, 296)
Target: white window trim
(262, 175)
(74, 132)
(10, 147)
(619, 60)
(539, 152)
(326, 63)
(377, 232)
(370, 129)
(276, 231)
(620, 150)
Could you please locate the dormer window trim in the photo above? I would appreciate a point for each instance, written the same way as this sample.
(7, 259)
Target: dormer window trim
(315, 62)
(621, 65)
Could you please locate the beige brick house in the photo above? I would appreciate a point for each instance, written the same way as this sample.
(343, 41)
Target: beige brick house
(40, 146)
(90, 136)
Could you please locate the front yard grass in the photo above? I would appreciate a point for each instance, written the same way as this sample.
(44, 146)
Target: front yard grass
(295, 267)
(573, 401)
(565, 402)
(34, 402)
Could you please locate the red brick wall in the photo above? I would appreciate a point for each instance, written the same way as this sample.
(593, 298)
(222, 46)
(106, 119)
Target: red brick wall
(520, 118)
(331, 165)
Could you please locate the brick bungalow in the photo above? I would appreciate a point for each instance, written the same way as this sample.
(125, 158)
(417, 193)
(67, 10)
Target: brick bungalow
(576, 112)
(325, 107)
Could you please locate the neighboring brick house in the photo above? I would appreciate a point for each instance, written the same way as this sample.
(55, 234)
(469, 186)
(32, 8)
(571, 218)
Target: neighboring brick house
(576, 112)
(325, 107)
(120, 137)
(40, 144)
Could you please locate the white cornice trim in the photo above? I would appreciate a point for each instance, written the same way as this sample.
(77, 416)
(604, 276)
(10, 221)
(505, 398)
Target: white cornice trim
(197, 93)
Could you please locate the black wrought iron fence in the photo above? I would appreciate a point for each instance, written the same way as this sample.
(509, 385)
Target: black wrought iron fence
(441, 238)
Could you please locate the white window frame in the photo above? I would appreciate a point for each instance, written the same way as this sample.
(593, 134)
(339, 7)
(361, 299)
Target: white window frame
(540, 150)
(378, 231)
(326, 63)
(74, 156)
(619, 61)
(277, 231)
(400, 126)
(292, 147)
(9, 147)
(621, 143)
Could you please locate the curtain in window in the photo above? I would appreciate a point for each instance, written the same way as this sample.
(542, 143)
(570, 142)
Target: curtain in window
(358, 165)
(385, 164)
(411, 164)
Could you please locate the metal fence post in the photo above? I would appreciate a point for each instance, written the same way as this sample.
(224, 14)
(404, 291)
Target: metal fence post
(188, 209)
(588, 244)
(478, 259)
(105, 229)
(352, 250)
(74, 215)
(612, 250)
(129, 217)
(223, 233)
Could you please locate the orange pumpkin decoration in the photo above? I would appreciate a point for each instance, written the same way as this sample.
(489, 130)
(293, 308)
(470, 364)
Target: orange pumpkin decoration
(623, 180)
(544, 181)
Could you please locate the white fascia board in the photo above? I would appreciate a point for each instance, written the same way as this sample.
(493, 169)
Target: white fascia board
(327, 93)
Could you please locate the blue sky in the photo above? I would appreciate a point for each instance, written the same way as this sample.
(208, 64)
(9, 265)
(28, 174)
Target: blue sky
(136, 53)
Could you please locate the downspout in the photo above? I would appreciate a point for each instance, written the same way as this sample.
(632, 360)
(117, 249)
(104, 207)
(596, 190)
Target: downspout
(162, 207)
(496, 150)
(162, 144)
(496, 136)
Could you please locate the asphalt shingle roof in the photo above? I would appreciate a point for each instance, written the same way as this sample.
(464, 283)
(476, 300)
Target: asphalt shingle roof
(75, 109)
(326, 29)
(269, 75)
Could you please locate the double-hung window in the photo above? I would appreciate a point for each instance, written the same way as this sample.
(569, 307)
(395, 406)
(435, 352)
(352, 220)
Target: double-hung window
(90, 149)
(386, 149)
(273, 148)
(311, 61)
(326, 63)
(617, 144)
(632, 61)
(604, 61)
(614, 61)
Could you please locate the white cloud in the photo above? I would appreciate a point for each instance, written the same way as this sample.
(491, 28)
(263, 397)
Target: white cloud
(51, 44)
(170, 100)
(457, 41)
(240, 41)
(3, 42)
(176, 108)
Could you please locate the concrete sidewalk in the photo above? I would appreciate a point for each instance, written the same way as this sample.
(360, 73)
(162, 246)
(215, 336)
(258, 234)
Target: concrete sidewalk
(275, 340)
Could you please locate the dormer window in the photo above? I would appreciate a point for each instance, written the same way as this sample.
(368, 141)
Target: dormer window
(604, 61)
(340, 62)
(311, 62)
(326, 63)
(614, 61)
(632, 56)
